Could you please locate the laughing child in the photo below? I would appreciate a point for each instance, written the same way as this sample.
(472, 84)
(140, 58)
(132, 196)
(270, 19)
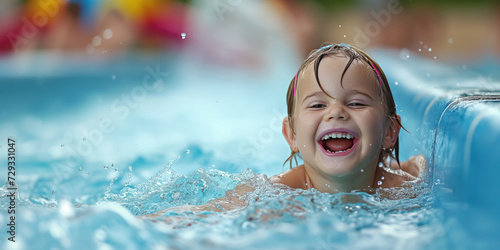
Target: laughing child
(342, 121)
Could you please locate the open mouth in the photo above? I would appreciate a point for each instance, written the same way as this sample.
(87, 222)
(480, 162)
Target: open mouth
(337, 142)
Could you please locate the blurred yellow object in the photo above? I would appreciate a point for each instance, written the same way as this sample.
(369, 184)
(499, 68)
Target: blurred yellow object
(135, 10)
(43, 12)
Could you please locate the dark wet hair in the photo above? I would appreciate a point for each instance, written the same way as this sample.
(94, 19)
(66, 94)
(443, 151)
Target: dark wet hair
(353, 54)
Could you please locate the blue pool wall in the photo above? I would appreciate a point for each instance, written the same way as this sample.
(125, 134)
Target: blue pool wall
(453, 115)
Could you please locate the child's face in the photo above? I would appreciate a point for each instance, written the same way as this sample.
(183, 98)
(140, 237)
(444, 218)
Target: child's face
(354, 111)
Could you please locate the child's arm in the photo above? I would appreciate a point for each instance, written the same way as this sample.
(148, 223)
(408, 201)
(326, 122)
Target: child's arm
(233, 199)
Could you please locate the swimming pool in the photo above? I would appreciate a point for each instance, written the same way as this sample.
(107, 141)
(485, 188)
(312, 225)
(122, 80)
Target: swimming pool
(99, 142)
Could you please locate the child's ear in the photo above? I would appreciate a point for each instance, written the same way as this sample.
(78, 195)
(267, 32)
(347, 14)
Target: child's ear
(392, 132)
(288, 134)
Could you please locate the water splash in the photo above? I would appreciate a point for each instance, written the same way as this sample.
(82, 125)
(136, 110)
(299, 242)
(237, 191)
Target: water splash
(107, 214)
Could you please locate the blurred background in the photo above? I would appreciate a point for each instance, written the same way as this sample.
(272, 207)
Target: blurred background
(90, 83)
(455, 30)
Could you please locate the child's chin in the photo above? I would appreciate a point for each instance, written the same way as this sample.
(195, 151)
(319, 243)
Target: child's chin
(337, 170)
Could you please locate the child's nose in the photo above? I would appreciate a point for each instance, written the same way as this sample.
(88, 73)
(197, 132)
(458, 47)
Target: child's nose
(336, 112)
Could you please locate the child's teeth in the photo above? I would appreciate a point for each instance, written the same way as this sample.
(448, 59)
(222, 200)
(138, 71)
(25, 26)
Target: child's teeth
(336, 152)
(334, 135)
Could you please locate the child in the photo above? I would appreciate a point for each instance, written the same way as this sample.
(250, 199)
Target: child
(342, 120)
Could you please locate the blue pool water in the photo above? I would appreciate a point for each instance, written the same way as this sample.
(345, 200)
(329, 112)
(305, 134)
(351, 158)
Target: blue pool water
(101, 142)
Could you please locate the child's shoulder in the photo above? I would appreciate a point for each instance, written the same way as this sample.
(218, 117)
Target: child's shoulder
(294, 178)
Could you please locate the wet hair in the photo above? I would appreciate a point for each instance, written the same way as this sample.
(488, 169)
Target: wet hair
(353, 54)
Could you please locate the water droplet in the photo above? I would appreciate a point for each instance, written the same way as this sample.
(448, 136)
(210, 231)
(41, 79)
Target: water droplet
(404, 54)
(396, 83)
(370, 144)
(130, 168)
(116, 170)
(107, 34)
(100, 235)
(87, 173)
(340, 26)
(66, 208)
(247, 225)
(345, 35)
(213, 165)
(379, 183)
(188, 151)
(113, 77)
(382, 178)
(80, 168)
(96, 41)
(430, 49)
(362, 170)
(175, 195)
(112, 165)
(89, 49)
(435, 57)
(53, 191)
(450, 40)
(380, 164)
(419, 49)
(183, 35)
(62, 146)
(421, 42)
(437, 182)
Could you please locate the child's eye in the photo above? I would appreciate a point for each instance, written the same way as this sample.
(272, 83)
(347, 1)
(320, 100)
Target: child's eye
(356, 104)
(317, 106)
